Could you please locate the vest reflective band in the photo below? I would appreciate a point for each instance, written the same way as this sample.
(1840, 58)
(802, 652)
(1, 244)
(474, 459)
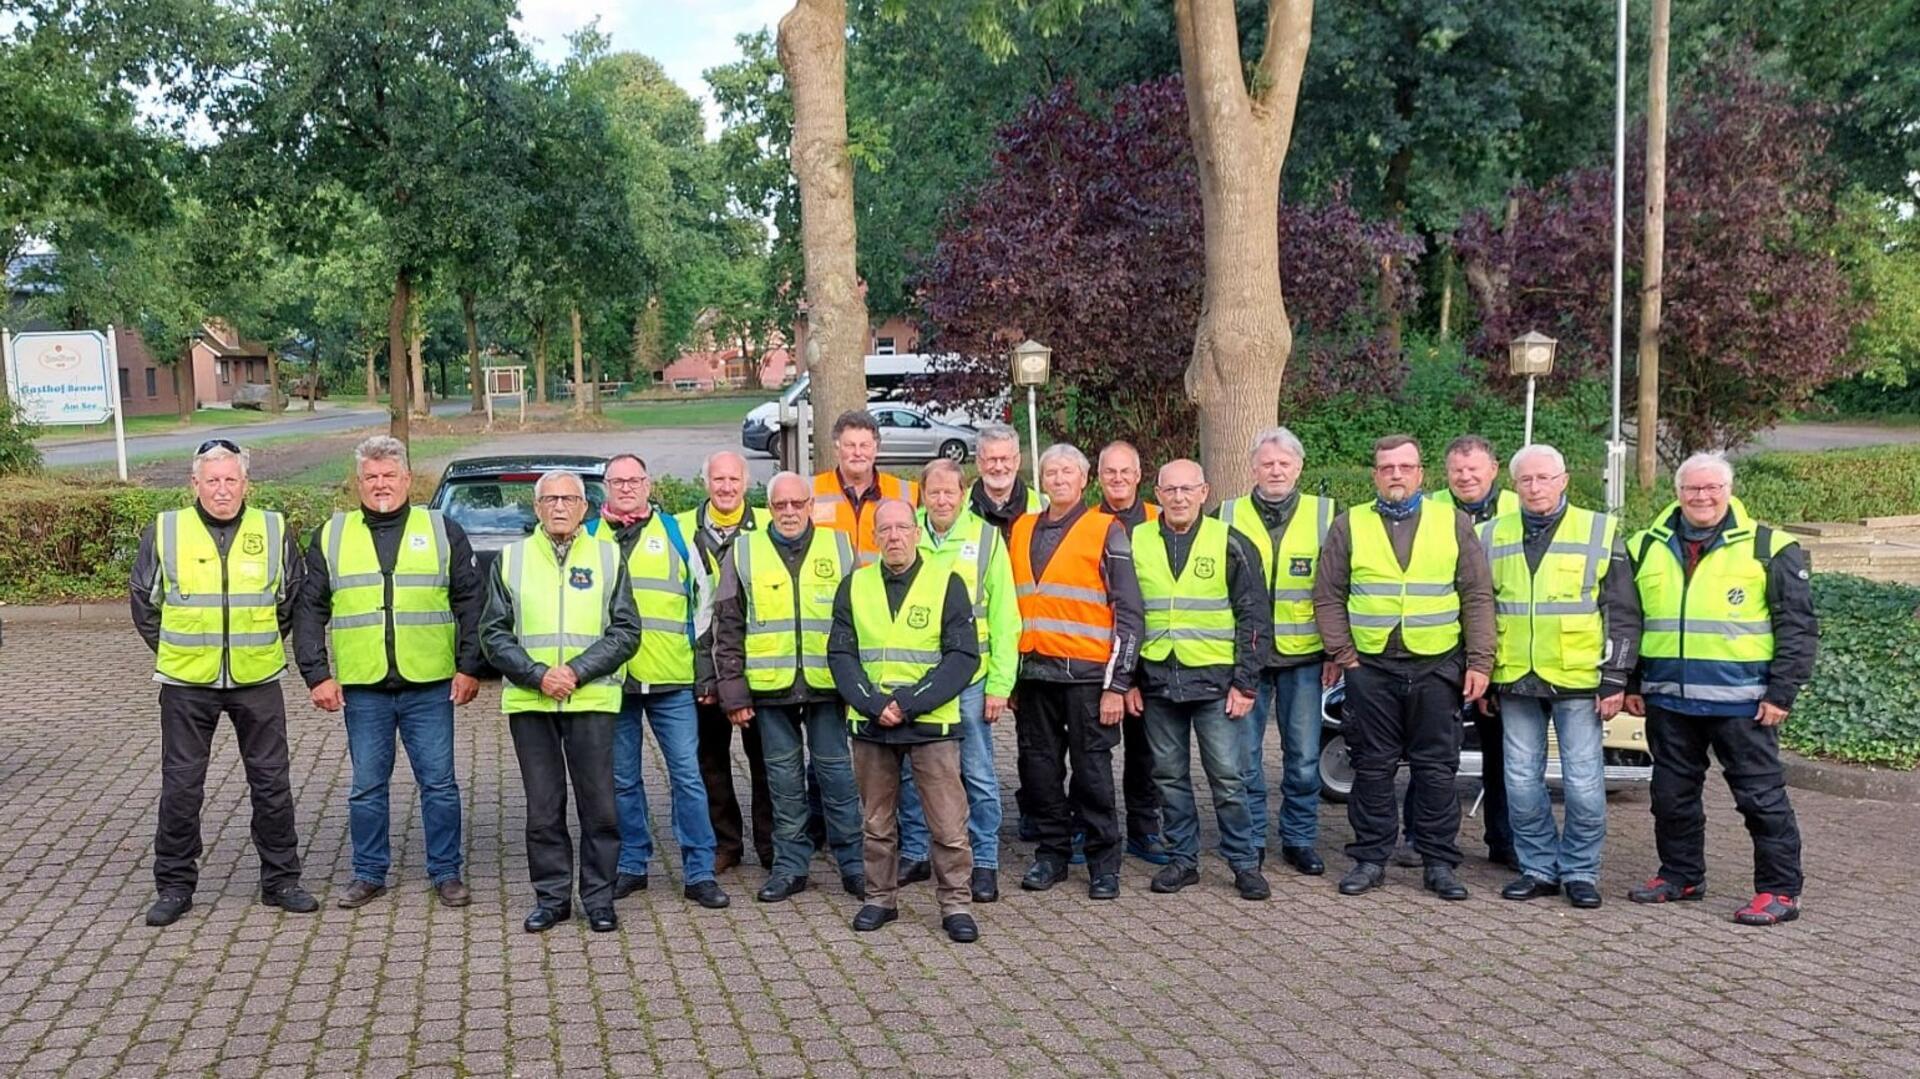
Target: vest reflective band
(832, 510)
(559, 612)
(422, 616)
(663, 591)
(1189, 617)
(789, 615)
(219, 613)
(1420, 600)
(1064, 613)
(1290, 573)
(694, 521)
(1710, 638)
(1549, 618)
(968, 552)
(898, 649)
(1506, 502)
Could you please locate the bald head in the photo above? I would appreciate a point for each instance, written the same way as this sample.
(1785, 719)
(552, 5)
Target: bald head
(1182, 490)
(791, 499)
(896, 532)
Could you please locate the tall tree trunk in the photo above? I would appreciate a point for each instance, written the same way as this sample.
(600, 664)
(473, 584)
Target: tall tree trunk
(1446, 291)
(399, 415)
(579, 366)
(273, 381)
(813, 53)
(313, 379)
(1240, 140)
(373, 376)
(183, 382)
(467, 304)
(417, 356)
(599, 376)
(539, 361)
(1653, 255)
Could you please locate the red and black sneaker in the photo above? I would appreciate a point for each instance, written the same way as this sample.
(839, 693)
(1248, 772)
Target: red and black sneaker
(1662, 890)
(1769, 908)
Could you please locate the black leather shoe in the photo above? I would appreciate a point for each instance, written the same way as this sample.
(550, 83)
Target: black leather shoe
(915, 872)
(1104, 886)
(1363, 877)
(1305, 859)
(985, 885)
(603, 920)
(779, 888)
(854, 884)
(871, 918)
(545, 918)
(359, 894)
(168, 908)
(707, 893)
(626, 884)
(960, 928)
(1583, 894)
(1251, 884)
(291, 898)
(1174, 877)
(1527, 886)
(1044, 874)
(1441, 882)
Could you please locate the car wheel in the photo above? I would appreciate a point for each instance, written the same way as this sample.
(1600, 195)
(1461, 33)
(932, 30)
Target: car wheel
(954, 450)
(1336, 768)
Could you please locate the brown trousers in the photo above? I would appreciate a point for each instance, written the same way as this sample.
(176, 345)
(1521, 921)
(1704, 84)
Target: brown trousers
(936, 771)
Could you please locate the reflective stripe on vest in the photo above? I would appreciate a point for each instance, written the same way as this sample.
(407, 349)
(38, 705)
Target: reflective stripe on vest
(559, 611)
(1549, 618)
(1189, 617)
(219, 613)
(1290, 574)
(1708, 638)
(421, 615)
(899, 649)
(662, 587)
(1064, 613)
(968, 548)
(789, 615)
(1420, 600)
(831, 509)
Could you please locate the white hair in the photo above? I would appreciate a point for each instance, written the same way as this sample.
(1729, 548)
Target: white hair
(998, 432)
(380, 448)
(1716, 461)
(1281, 437)
(785, 475)
(1536, 449)
(1065, 451)
(706, 466)
(221, 453)
(540, 485)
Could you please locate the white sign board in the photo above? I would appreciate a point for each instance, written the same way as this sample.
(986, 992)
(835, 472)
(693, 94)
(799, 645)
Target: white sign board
(58, 378)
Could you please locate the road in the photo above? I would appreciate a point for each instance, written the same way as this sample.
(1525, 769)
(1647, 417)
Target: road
(668, 451)
(99, 451)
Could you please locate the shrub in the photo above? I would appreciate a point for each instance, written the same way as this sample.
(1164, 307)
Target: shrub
(18, 455)
(1863, 705)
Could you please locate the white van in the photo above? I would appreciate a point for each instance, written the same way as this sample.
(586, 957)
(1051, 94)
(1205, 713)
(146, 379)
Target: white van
(887, 380)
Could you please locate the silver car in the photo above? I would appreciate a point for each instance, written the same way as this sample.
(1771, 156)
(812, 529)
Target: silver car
(908, 434)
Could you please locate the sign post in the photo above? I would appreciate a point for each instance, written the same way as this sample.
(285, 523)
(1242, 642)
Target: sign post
(1030, 369)
(67, 377)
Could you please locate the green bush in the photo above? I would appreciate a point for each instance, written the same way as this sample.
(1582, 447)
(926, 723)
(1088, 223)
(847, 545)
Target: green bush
(1863, 705)
(18, 455)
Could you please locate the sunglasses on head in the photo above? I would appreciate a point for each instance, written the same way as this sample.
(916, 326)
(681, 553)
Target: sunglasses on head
(227, 444)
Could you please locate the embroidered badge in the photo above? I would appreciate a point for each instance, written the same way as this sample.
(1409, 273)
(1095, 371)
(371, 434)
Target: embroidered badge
(253, 545)
(918, 617)
(655, 545)
(1736, 596)
(1204, 568)
(823, 568)
(419, 543)
(581, 577)
(1300, 567)
(969, 551)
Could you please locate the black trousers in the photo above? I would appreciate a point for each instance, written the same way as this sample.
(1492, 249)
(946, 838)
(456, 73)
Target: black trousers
(1749, 754)
(1136, 778)
(553, 747)
(723, 806)
(1057, 728)
(188, 717)
(1493, 780)
(1390, 716)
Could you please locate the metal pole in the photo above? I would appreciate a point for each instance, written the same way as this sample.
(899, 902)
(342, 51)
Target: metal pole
(1033, 435)
(113, 391)
(1617, 448)
(1528, 440)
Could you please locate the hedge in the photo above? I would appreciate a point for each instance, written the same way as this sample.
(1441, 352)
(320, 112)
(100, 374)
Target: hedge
(1863, 705)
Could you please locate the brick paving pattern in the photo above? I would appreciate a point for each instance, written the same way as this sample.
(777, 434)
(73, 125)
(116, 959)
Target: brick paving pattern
(1202, 983)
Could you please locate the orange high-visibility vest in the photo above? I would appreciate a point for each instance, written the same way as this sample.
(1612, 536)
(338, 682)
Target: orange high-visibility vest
(1064, 613)
(831, 509)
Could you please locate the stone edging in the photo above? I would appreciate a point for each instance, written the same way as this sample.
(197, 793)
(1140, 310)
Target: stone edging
(73, 614)
(1851, 781)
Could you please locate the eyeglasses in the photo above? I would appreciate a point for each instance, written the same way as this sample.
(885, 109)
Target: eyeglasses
(1536, 481)
(640, 482)
(789, 504)
(559, 500)
(211, 444)
(1697, 489)
(1179, 490)
(1392, 470)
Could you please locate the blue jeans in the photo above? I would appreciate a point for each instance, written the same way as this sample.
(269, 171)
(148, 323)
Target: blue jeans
(423, 718)
(983, 788)
(823, 726)
(677, 729)
(1290, 696)
(1556, 856)
(1172, 728)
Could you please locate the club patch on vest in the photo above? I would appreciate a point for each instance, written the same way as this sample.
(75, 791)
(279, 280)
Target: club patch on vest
(1204, 568)
(919, 617)
(580, 577)
(418, 543)
(1300, 567)
(251, 544)
(823, 568)
(1736, 596)
(655, 545)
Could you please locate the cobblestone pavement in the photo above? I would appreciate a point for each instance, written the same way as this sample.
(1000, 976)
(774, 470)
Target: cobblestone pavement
(1394, 983)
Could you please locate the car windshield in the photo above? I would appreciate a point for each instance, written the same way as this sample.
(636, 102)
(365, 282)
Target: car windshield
(502, 505)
